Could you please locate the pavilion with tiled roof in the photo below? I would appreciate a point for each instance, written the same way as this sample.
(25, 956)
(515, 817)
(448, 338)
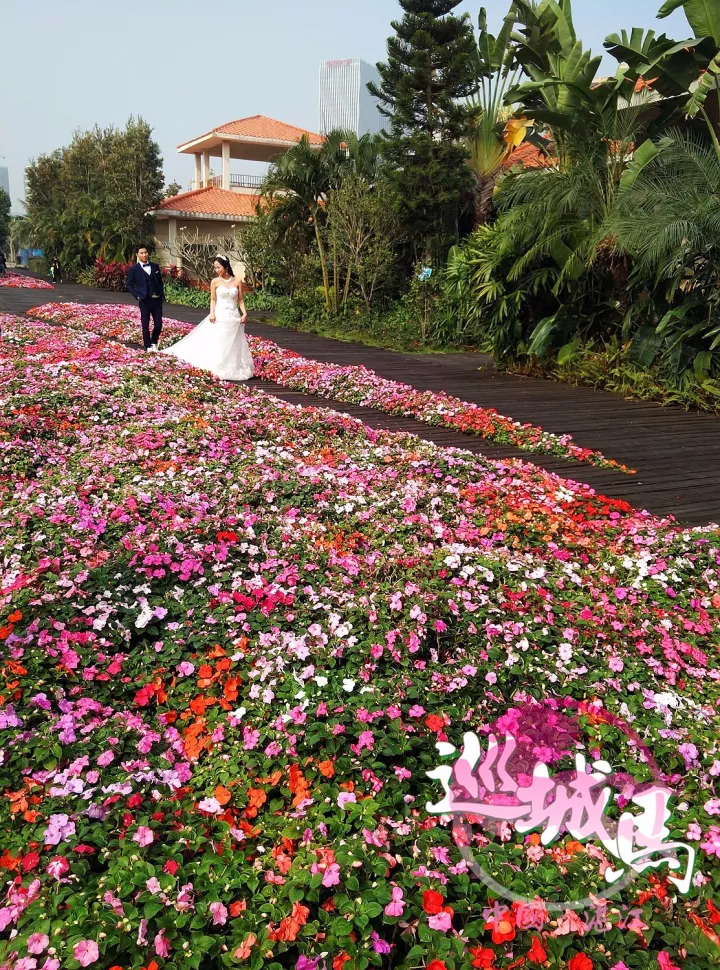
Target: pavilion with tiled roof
(215, 205)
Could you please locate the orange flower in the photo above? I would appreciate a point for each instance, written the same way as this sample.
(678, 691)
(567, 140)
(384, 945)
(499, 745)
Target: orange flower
(289, 928)
(222, 795)
(326, 768)
(243, 951)
(339, 960)
(239, 906)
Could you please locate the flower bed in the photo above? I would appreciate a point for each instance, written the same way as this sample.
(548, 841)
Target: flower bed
(19, 281)
(351, 385)
(234, 631)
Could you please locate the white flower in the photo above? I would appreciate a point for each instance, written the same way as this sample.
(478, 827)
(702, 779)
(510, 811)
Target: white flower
(146, 614)
(348, 685)
(321, 681)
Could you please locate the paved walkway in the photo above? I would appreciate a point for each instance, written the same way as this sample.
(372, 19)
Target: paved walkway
(676, 453)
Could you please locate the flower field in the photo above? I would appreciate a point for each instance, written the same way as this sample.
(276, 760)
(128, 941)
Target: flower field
(18, 281)
(351, 385)
(233, 632)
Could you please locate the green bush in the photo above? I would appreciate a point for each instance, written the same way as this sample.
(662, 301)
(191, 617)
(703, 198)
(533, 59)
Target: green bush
(186, 295)
(398, 327)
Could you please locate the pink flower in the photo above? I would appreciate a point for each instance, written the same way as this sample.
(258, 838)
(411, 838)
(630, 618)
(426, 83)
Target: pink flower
(665, 963)
(86, 952)
(185, 668)
(396, 906)
(332, 875)
(38, 942)
(105, 759)
(616, 664)
(345, 798)
(219, 914)
(402, 773)
(59, 828)
(143, 836)
(442, 921)
(210, 805)
(162, 947)
(153, 886)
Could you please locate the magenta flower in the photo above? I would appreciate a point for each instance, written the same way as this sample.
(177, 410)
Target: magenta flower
(396, 906)
(332, 875)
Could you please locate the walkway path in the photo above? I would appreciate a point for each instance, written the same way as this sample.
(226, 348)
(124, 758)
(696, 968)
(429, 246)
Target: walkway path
(676, 453)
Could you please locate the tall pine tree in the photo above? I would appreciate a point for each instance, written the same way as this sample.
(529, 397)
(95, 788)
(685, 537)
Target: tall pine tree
(428, 71)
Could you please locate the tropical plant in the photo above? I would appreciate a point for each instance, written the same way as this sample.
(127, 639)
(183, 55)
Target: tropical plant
(428, 73)
(493, 133)
(668, 220)
(564, 92)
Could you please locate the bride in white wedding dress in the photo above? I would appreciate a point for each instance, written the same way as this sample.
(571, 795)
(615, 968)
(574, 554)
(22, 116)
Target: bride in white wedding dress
(218, 342)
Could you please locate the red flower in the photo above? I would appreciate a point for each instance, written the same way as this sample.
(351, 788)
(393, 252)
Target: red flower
(171, 867)
(432, 902)
(434, 722)
(436, 965)
(580, 962)
(340, 959)
(134, 800)
(239, 906)
(483, 957)
(537, 954)
(503, 927)
(30, 861)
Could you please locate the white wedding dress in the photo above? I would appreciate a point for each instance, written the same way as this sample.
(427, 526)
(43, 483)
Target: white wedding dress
(219, 347)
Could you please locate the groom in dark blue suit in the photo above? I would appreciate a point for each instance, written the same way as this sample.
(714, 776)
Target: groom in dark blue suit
(145, 283)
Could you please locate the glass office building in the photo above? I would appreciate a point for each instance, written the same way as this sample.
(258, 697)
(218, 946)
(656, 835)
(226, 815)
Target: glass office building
(345, 101)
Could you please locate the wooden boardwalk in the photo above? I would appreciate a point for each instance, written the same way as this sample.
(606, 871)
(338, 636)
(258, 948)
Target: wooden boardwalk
(676, 453)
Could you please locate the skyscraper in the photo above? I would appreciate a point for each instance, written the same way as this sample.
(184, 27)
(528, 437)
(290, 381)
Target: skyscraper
(345, 101)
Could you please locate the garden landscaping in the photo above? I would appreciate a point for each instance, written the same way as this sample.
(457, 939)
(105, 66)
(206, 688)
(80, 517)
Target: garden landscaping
(352, 385)
(234, 631)
(20, 281)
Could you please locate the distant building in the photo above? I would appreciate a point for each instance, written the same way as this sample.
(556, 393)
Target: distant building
(345, 101)
(5, 180)
(221, 204)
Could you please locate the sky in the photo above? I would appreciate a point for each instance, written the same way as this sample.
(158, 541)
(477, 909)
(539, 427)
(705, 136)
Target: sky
(186, 66)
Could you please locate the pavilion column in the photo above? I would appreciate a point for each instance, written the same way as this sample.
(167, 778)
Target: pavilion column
(172, 238)
(206, 169)
(198, 170)
(226, 165)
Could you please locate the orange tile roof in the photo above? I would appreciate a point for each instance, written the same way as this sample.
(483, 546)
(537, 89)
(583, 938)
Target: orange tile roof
(211, 201)
(261, 127)
(528, 156)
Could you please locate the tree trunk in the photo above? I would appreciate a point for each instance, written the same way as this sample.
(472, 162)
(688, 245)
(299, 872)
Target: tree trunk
(323, 263)
(483, 200)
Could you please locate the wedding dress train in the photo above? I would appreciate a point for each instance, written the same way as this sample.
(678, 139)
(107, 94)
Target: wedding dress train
(219, 347)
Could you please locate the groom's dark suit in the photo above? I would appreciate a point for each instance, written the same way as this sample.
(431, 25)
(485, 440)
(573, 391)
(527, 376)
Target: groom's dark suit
(147, 288)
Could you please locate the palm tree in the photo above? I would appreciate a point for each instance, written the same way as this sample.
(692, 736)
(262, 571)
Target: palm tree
(493, 134)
